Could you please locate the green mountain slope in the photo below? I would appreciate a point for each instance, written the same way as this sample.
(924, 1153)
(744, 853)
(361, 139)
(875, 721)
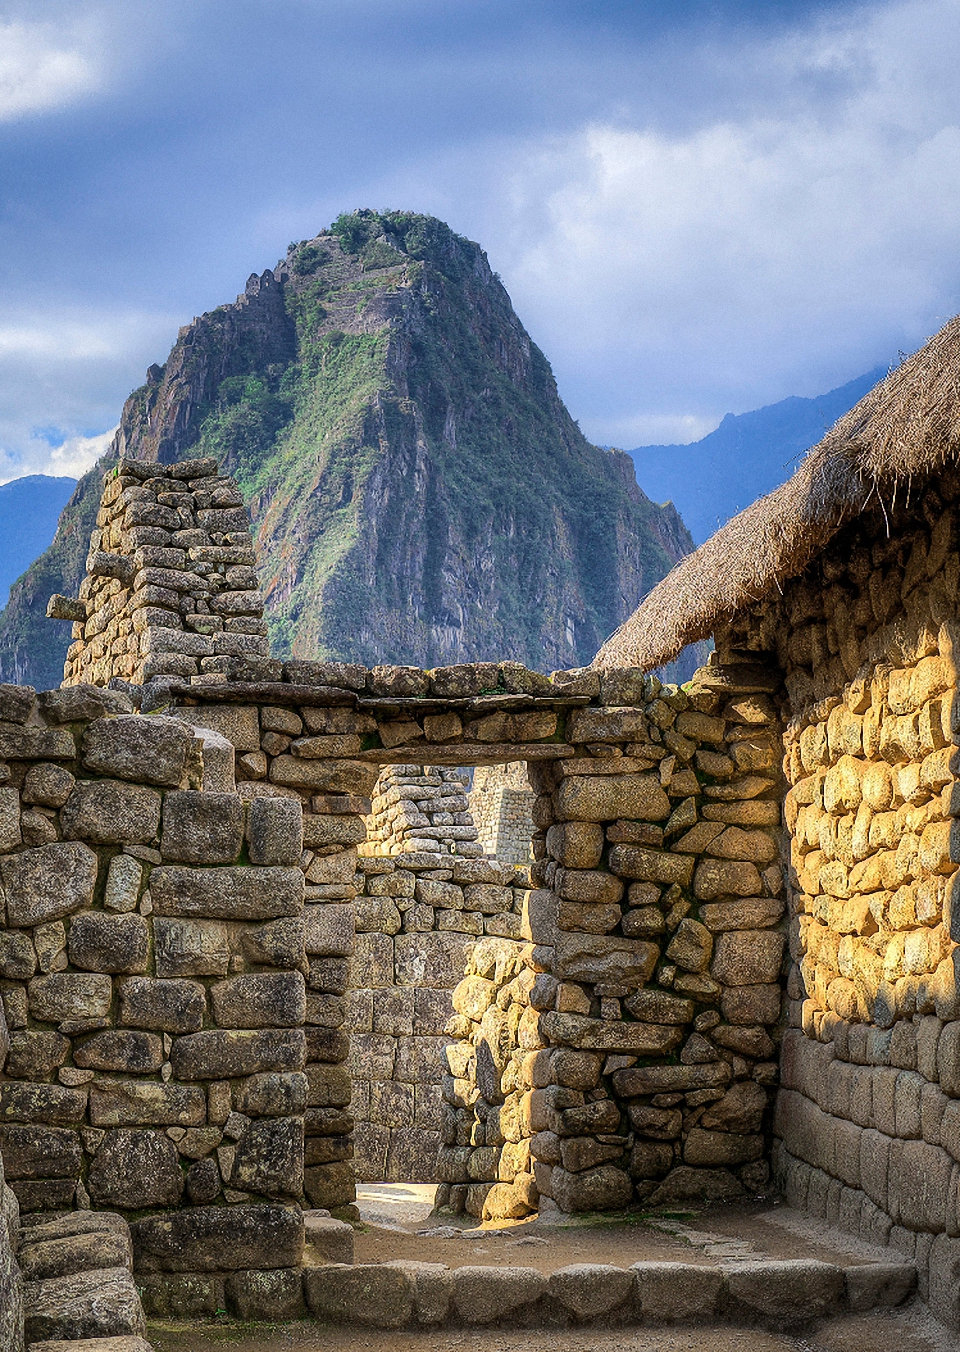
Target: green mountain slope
(419, 492)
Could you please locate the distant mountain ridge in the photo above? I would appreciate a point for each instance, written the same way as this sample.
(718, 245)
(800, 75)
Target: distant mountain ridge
(29, 510)
(748, 455)
(419, 493)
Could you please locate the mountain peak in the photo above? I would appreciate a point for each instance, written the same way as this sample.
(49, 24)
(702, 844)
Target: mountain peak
(418, 490)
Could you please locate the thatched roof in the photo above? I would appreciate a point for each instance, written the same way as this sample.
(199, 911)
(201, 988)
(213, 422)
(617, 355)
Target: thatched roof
(902, 431)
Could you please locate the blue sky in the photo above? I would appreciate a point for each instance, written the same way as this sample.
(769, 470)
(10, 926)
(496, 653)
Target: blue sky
(697, 207)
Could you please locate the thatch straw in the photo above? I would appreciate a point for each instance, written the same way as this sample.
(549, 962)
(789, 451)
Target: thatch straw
(903, 430)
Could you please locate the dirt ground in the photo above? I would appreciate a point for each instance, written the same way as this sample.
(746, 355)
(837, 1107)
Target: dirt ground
(701, 1235)
(900, 1331)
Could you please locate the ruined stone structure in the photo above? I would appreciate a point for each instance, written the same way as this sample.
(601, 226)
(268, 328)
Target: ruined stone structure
(224, 965)
(501, 804)
(420, 807)
(843, 586)
(171, 587)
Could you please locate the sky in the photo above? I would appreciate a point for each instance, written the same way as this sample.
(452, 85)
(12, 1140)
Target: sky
(698, 207)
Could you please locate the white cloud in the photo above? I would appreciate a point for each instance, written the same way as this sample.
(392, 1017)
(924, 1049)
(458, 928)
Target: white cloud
(751, 256)
(73, 457)
(44, 67)
(65, 374)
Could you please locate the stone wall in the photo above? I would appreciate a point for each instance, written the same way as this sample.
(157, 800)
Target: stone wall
(868, 1120)
(501, 804)
(170, 586)
(614, 1040)
(421, 808)
(11, 1285)
(419, 919)
(151, 971)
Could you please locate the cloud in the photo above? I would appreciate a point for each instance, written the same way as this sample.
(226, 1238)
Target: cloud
(64, 375)
(43, 67)
(71, 458)
(756, 254)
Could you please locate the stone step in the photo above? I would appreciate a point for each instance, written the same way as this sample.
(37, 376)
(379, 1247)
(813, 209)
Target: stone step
(92, 1305)
(776, 1293)
(93, 1345)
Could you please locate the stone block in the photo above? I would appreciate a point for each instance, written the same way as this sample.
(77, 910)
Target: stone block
(691, 946)
(237, 722)
(273, 1095)
(436, 959)
(715, 878)
(152, 749)
(275, 1295)
(62, 1257)
(122, 1103)
(203, 828)
(333, 870)
(604, 958)
(677, 1293)
(35, 1055)
(63, 997)
(330, 930)
(135, 1169)
(269, 1158)
(748, 957)
(108, 943)
(111, 812)
(591, 1290)
(606, 1188)
(324, 776)
(225, 1239)
(48, 882)
(47, 784)
(486, 1295)
(791, 1290)
(124, 879)
(600, 798)
(134, 1053)
(100, 1304)
(638, 1080)
(18, 960)
(577, 845)
(260, 1000)
(655, 866)
(227, 893)
(872, 1286)
(216, 1054)
(721, 1149)
(10, 836)
(40, 1152)
(275, 831)
(162, 1006)
(377, 1295)
(922, 1186)
(48, 1104)
(186, 948)
(610, 1035)
(279, 943)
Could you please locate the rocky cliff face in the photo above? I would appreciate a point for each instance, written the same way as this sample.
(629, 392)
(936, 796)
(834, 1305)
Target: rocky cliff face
(418, 490)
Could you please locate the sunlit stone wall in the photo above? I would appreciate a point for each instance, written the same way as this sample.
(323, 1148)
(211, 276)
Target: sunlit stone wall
(868, 1117)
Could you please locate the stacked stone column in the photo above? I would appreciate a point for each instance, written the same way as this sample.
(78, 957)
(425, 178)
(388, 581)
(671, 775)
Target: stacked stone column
(171, 588)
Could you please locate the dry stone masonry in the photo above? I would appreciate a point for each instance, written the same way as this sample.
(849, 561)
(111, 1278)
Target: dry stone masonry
(501, 803)
(251, 948)
(170, 586)
(868, 1125)
(421, 807)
